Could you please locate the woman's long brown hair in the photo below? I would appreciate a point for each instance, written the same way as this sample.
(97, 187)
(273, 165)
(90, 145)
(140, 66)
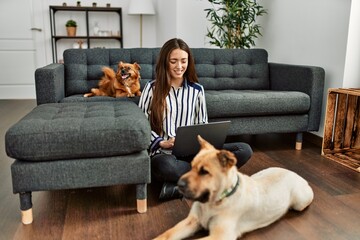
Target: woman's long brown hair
(162, 83)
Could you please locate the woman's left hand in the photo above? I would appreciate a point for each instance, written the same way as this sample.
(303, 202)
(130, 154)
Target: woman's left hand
(166, 144)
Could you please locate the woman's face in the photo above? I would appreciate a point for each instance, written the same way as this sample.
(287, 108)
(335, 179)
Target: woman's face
(178, 63)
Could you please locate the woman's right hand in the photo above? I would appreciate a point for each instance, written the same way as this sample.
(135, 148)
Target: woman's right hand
(166, 144)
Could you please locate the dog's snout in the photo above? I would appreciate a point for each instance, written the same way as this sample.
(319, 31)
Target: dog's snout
(182, 183)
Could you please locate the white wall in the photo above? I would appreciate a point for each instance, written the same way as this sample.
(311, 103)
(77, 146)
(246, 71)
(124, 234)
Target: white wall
(308, 32)
(352, 63)
(185, 19)
(166, 26)
(191, 22)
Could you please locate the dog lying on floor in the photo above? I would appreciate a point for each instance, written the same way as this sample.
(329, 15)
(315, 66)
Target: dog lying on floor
(124, 83)
(229, 203)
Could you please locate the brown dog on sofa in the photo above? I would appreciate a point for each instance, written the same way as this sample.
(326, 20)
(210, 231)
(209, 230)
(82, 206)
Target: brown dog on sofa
(124, 83)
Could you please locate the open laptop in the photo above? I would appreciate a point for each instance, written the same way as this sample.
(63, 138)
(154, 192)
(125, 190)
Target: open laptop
(186, 143)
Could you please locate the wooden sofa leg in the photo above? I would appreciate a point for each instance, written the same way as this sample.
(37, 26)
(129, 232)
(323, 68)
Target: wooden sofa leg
(27, 216)
(26, 208)
(141, 197)
(141, 205)
(299, 140)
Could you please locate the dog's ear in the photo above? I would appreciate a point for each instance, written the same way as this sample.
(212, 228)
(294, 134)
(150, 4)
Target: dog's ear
(227, 159)
(137, 66)
(204, 144)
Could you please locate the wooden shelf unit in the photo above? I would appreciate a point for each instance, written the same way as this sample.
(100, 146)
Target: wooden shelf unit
(55, 38)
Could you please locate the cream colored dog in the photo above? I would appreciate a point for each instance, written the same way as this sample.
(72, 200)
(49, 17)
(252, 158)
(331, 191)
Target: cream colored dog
(229, 203)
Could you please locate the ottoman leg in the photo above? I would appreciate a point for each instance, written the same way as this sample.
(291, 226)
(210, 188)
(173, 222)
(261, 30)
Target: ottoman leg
(26, 207)
(141, 197)
(299, 140)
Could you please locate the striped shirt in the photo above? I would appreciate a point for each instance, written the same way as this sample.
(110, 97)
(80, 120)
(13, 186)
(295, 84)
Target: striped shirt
(184, 106)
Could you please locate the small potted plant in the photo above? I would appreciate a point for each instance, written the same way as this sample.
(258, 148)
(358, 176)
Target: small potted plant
(71, 28)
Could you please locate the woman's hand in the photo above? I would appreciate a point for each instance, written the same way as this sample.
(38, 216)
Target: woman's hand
(167, 143)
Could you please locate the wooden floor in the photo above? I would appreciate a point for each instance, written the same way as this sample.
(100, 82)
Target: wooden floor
(110, 212)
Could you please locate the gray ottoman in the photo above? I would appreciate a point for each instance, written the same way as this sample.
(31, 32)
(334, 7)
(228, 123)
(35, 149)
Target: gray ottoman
(79, 145)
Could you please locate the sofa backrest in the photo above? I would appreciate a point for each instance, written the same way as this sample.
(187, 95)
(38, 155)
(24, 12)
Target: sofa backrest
(217, 69)
(239, 69)
(83, 66)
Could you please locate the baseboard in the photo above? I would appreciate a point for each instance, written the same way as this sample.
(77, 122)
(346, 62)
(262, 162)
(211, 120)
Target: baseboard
(17, 92)
(313, 138)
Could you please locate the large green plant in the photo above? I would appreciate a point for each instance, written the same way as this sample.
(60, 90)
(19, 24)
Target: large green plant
(234, 23)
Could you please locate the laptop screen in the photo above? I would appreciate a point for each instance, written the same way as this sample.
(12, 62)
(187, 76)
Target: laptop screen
(186, 143)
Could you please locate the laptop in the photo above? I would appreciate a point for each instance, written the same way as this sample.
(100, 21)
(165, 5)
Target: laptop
(186, 143)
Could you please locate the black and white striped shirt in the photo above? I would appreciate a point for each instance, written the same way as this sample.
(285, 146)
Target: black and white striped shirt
(184, 106)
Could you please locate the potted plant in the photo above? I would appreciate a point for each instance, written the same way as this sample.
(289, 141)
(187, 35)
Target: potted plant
(234, 23)
(71, 28)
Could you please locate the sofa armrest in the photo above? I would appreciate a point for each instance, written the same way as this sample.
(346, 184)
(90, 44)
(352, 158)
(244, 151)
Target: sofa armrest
(50, 83)
(306, 79)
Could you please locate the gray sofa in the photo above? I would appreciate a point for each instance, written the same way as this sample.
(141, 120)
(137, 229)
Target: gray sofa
(69, 141)
(240, 85)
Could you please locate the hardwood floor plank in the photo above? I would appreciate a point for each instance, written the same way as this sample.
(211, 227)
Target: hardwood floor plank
(280, 230)
(351, 200)
(49, 210)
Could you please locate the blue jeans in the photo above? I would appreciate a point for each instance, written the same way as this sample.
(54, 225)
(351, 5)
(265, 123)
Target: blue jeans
(167, 168)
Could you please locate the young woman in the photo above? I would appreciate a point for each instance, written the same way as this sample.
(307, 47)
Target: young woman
(173, 99)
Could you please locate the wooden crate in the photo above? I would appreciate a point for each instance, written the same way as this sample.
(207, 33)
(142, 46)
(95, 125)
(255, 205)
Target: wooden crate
(341, 142)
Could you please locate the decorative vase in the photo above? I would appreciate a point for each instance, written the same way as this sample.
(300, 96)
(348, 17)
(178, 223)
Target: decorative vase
(96, 29)
(71, 31)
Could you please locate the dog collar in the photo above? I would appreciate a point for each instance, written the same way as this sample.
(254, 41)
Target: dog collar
(228, 192)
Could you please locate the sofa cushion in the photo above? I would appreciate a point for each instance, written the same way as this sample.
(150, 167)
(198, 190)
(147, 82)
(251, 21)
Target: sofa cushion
(237, 69)
(79, 130)
(238, 103)
(81, 98)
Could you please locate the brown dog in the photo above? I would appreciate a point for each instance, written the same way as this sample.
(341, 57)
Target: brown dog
(229, 203)
(124, 83)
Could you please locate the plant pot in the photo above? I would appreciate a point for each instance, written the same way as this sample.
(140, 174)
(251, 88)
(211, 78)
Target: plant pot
(71, 31)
